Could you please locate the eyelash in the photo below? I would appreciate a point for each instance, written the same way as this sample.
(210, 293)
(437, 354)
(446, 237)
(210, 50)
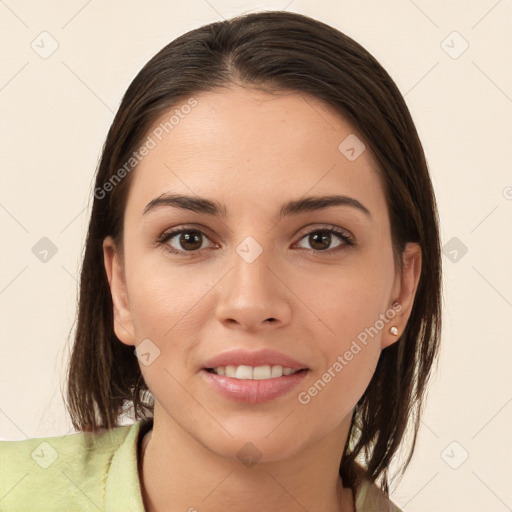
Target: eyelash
(341, 234)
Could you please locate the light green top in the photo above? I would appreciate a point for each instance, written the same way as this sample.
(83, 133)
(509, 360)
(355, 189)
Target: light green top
(72, 474)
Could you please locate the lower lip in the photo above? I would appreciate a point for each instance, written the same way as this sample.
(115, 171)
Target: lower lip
(253, 391)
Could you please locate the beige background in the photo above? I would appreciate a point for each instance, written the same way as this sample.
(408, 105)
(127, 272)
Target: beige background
(55, 115)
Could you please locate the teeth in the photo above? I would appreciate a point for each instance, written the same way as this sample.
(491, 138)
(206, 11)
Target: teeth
(253, 372)
(244, 372)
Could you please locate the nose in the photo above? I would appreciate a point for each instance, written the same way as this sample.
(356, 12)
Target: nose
(253, 295)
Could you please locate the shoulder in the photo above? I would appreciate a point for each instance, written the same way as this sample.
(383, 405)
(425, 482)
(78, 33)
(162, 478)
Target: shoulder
(57, 473)
(370, 497)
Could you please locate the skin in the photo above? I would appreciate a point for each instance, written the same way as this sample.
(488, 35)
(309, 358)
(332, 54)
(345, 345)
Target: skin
(252, 151)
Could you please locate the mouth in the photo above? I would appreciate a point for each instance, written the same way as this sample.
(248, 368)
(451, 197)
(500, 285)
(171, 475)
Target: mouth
(244, 372)
(253, 384)
(254, 376)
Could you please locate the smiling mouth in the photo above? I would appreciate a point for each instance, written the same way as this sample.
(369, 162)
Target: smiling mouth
(243, 372)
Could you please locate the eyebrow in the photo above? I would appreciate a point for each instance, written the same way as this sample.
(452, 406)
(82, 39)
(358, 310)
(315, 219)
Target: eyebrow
(294, 207)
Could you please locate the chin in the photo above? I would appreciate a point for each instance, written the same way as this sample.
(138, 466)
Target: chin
(261, 444)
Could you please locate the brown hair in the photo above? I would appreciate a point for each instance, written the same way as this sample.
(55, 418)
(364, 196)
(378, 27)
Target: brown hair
(271, 51)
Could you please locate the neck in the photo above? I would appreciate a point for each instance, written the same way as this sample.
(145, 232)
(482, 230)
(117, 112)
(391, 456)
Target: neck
(176, 470)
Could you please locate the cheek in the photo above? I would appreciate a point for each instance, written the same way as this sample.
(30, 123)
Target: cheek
(351, 308)
(334, 392)
(347, 299)
(162, 297)
(170, 307)
(165, 305)
(348, 339)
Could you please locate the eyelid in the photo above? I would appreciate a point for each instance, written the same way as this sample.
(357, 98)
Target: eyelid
(312, 228)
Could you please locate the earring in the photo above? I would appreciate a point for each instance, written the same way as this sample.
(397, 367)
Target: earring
(393, 330)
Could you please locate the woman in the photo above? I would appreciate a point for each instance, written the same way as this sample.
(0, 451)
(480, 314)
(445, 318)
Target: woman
(264, 239)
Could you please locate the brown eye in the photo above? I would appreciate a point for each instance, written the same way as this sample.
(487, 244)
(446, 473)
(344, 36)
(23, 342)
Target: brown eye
(322, 240)
(190, 240)
(182, 241)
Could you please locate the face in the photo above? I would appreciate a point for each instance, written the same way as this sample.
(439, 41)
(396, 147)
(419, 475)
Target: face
(315, 284)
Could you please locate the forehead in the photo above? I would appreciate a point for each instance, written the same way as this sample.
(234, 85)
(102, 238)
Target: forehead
(245, 145)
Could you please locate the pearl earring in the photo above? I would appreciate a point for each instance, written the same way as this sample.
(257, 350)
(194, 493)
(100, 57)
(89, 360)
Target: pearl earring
(393, 330)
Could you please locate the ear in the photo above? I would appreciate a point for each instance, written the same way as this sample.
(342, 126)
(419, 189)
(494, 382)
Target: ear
(404, 291)
(123, 324)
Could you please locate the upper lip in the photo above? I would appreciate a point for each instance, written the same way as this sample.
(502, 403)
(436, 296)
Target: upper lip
(261, 357)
